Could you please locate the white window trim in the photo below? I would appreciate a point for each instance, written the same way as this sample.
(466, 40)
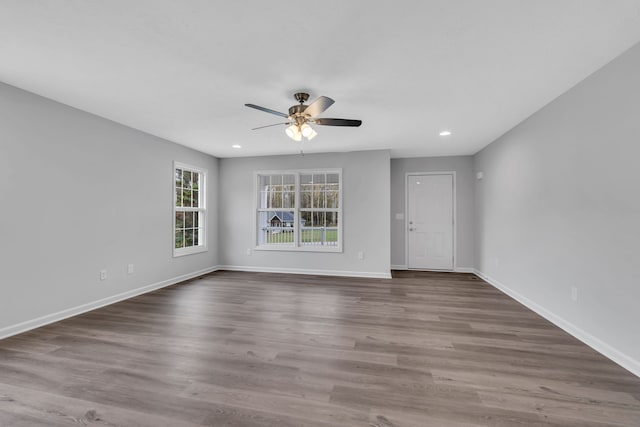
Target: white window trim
(178, 252)
(295, 246)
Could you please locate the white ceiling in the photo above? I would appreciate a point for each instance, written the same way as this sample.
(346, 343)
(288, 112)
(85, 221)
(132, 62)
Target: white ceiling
(183, 70)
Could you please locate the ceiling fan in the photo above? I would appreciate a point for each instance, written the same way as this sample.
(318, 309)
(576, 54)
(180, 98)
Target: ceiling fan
(300, 116)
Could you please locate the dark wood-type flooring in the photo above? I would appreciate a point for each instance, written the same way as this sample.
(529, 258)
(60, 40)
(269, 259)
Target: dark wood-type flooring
(250, 349)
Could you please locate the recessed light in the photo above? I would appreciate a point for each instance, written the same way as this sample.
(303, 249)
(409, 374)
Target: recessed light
(236, 146)
(445, 133)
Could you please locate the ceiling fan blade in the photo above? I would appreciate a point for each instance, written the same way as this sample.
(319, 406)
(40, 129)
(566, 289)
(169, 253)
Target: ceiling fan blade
(337, 122)
(267, 110)
(318, 106)
(275, 124)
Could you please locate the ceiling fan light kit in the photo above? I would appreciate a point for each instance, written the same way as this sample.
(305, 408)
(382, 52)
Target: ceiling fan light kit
(294, 133)
(301, 115)
(308, 132)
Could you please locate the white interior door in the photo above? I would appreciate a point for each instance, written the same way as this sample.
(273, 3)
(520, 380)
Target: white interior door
(430, 221)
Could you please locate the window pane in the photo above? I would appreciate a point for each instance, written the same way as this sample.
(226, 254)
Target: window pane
(178, 197)
(305, 218)
(288, 199)
(195, 180)
(188, 219)
(262, 203)
(188, 237)
(318, 199)
(305, 200)
(305, 224)
(186, 179)
(263, 223)
(269, 199)
(274, 199)
(179, 220)
(179, 238)
(186, 198)
(319, 179)
(196, 233)
(332, 199)
(332, 219)
(276, 180)
(264, 182)
(178, 178)
(332, 189)
(289, 180)
(196, 219)
(306, 182)
(194, 198)
(318, 219)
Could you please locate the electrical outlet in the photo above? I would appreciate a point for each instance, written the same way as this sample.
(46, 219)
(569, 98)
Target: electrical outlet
(130, 269)
(574, 293)
(360, 255)
(103, 274)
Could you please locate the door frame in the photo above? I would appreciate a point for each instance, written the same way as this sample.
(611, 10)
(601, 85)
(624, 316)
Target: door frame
(406, 218)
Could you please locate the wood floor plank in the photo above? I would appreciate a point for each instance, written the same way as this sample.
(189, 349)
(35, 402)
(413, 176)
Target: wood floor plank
(259, 349)
(36, 408)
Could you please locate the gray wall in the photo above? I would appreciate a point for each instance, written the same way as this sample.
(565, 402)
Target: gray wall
(365, 178)
(559, 206)
(463, 166)
(80, 194)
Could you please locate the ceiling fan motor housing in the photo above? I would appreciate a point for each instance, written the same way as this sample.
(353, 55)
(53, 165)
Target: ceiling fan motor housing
(297, 111)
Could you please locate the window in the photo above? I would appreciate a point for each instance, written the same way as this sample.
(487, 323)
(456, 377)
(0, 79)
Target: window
(299, 210)
(189, 206)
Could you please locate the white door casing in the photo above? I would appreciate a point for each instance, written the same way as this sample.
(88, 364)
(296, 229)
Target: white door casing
(430, 221)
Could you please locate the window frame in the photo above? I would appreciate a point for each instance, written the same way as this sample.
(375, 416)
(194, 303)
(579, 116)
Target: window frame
(202, 209)
(296, 246)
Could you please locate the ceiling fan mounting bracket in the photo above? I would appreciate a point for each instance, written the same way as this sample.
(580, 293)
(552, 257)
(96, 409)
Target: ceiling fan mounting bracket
(301, 97)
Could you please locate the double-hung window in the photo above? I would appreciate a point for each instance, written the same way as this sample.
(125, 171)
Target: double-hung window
(299, 210)
(190, 210)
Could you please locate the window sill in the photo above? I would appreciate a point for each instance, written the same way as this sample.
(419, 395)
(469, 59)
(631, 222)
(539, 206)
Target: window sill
(189, 251)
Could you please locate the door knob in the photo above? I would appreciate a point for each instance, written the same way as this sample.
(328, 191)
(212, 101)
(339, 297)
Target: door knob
(410, 229)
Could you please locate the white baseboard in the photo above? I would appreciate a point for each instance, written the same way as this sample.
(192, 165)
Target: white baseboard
(74, 311)
(455, 270)
(371, 275)
(622, 359)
